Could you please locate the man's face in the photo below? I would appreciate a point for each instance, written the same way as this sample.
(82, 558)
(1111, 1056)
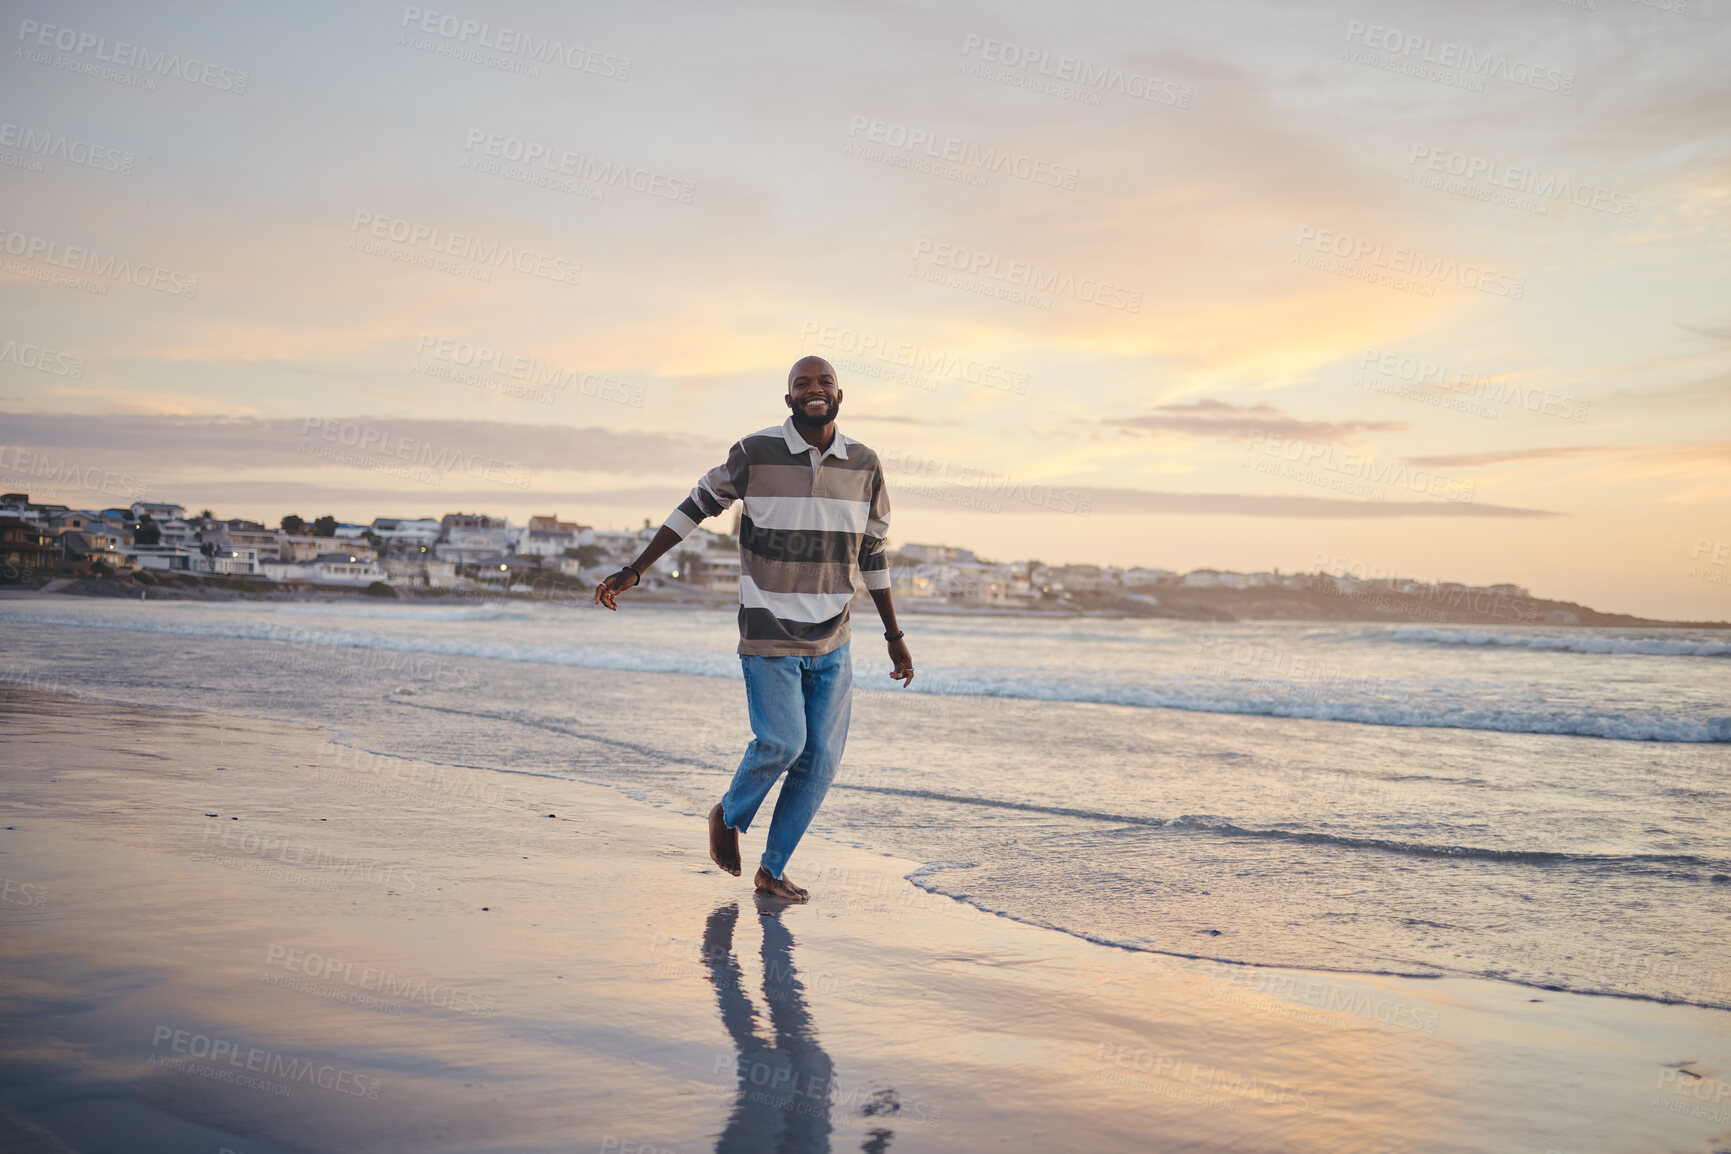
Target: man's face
(812, 393)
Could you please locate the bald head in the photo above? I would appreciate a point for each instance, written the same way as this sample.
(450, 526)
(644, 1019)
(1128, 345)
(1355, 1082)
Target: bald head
(809, 366)
(813, 395)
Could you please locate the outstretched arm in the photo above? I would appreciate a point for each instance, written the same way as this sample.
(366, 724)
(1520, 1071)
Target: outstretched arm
(715, 491)
(608, 591)
(899, 655)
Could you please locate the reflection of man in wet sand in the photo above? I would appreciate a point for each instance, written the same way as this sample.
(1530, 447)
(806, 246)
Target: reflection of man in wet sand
(816, 512)
(783, 1100)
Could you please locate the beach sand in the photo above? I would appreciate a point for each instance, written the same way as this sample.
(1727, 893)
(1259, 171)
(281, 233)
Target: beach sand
(222, 933)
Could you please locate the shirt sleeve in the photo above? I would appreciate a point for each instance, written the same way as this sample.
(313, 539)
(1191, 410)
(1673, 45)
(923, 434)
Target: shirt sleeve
(874, 562)
(715, 491)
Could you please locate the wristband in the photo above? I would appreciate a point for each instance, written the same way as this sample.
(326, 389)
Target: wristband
(896, 637)
(632, 569)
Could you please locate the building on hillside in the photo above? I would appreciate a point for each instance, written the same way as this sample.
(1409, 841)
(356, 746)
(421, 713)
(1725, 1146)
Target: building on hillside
(1215, 579)
(26, 545)
(158, 511)
(20, 506)
(937, 554)
(471, 521)
(552, 524)
(621, 545)
(70, 520)
(349, 568)
(506, 569)
(96, 542)
(1140, 577)
(173, 558)
(1079, 579)
(534, 542)
(704, 560)
(226, 562)
(421, 572)
(467, 538)
(406, 531)
(172, 533)
(266, 544)
(300, 549)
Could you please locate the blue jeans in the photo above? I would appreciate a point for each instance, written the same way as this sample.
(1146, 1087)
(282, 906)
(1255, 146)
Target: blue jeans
(799, 715)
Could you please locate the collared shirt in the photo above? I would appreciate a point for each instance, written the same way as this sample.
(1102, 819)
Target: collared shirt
(811, 520)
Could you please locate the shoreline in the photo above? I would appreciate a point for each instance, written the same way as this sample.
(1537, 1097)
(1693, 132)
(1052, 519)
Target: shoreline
(1217, 606)
(507, 978)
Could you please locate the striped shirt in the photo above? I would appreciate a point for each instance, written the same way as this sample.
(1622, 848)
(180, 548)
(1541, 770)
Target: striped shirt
(810, 520)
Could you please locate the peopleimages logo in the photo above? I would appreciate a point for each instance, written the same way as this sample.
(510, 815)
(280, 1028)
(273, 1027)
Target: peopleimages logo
(972, 263)
(578, 165)
(1413, 263)
(125, 55)
(59, 146)
(94, 264)
(1448, 54)
(1484, 386)
(1356, 467)
(433, 242)
(966, 153)
(375, 447)
(1087, 76)
(531, 370)
(1497, 175)
(28, 356)
(240, 1061)
(515, 42)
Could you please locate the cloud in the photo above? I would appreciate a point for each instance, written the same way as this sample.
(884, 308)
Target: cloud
(1153, 503)
(1572, 452)
(164, 444)
(1223, 419)
(1713, 390)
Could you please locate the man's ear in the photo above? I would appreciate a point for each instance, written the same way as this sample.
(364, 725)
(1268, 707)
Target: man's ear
(788, 400)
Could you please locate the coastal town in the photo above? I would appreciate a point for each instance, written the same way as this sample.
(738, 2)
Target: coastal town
(130, 550)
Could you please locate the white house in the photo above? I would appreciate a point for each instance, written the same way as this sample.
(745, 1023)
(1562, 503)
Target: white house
(545, 542)
(227, 562)
(1140, 576)
(420, 531)
(425, 572)
(465, 538)
(171, 557)
(327, 569)
(1214, 579)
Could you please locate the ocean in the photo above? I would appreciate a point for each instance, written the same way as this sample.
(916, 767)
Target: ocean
(1545, 806)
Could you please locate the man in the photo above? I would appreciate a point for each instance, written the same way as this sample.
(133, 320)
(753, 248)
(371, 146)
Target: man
(815, 511)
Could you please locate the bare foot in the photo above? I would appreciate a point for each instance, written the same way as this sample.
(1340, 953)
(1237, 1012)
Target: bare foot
(767, 883)
(723, 842)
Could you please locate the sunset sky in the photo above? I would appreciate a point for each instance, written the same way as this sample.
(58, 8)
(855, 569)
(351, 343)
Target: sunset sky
(1441, 290)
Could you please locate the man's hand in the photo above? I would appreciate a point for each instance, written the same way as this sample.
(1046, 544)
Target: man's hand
(607, 593)
(904, 662)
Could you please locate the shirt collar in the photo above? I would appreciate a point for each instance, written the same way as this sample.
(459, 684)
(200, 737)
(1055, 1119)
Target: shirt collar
(796, 444)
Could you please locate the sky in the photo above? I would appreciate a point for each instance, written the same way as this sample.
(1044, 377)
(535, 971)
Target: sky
(1430, 290)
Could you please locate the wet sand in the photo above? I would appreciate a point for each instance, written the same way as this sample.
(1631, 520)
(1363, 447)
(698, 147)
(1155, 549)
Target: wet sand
(225, 933)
